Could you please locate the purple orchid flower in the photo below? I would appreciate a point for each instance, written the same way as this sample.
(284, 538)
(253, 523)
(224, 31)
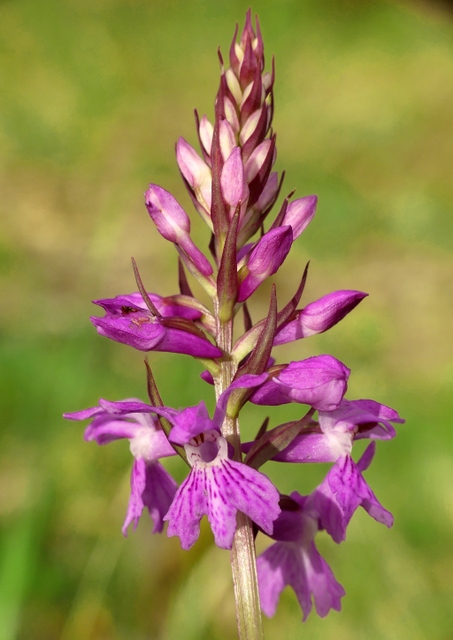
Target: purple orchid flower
(319, 381)
(151, 485)
(216, 486)
(129, 321)
(295, 561)
(344, 489)
(332, 437)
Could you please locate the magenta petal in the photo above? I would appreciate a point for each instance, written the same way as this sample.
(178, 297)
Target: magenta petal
(151, 487)
(107, 430)
(367, 418)
(142, 331)
(315, 447)
(319, 381)
(190, 504)
(84, 414)
(135, 507)
(338, 496)
(302, 568)
(272, 577)
(219, 490)
(190, 422)
(177, 341)
(160, 489)
(167, 307)
(248, 491)
(319, 316)
(137, 330)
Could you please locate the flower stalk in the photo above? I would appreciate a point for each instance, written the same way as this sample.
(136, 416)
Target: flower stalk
(242, 554)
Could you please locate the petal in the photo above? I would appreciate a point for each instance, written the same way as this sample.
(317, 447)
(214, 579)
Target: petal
(326, 591)
(135, 507)
(158, 494)
(302, 568)
(319, 316)
(319, 381)
(107, 429)
(265, 259)
(300, 213)
(138, 329)
(189, 505)
(316, 447)
(270, 567)
(247, 490)
(338, 496)
(190, 422)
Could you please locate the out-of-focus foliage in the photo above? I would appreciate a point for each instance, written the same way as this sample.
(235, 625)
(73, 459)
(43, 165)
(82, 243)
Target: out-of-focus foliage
(93, 97)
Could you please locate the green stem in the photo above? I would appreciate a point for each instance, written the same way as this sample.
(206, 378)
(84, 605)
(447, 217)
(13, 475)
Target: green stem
(242, 555)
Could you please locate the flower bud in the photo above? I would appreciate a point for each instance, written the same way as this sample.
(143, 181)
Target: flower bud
(195, 171)
(173, 224)
(300, 213)
(265, 259)
(319, 316)
(232, 179)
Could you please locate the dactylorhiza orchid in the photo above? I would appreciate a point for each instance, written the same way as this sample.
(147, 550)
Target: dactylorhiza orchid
(233, 187)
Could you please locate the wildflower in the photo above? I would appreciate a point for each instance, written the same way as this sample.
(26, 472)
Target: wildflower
(319, 381)
(233, 187)
(295, 561)
(333, 435)
(342, 491)
(216, 486)
(129, 321)
(151, 485)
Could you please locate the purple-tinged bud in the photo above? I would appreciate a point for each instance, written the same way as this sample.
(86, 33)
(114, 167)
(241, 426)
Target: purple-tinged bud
(269, 195)
(233, 85)
(261, 161)
(249, 126)
(194, 169)
(319, 316)
(249, 62)
(268, 80)
(319, 381)
(227, 139)
(300, 213)
(265, 259)
(257, 159)
(173, 224)
(256, 214)
(252, 98)
(196, 172)
(206, 131)
(231, 115)
(232, 179)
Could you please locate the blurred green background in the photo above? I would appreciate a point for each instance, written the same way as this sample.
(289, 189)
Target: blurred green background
(93, 97)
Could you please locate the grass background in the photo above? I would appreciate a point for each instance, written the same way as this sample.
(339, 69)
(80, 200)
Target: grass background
(94, 95)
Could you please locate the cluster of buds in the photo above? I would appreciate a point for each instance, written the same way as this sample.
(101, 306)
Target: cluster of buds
(233, 187)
